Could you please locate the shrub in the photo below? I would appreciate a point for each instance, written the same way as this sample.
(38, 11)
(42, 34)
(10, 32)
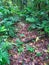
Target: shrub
(4, 55)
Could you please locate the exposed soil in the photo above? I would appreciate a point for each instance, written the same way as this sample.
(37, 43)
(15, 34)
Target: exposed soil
(26, 57)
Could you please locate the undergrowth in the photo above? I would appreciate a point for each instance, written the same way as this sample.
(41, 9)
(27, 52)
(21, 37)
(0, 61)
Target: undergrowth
(37, 15)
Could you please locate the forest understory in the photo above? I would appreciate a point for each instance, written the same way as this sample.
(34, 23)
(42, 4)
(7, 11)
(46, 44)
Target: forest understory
(34, 47)
(24, 32)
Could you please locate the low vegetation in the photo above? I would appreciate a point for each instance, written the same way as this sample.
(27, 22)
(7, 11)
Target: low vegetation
(19, 22)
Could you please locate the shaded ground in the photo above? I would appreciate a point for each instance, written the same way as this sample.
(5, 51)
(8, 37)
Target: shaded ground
(26, 57)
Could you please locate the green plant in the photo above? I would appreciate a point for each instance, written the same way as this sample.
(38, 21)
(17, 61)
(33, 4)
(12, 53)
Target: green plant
(19, 42)
(4, 55)
(19, 45)
(31, 27)
(7, 26)
(9, 16)
(29, 48)
(3, 38)
(5, 45)
(30, 20)
(20, 49)
(38, 54)
(2, 29)
(35, 15)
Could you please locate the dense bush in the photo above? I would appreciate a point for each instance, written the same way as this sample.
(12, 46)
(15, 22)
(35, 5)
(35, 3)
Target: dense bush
(4, 55)
(37, 15)
(8, 17)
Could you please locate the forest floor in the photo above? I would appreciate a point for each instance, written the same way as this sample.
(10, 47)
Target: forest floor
(26, 57)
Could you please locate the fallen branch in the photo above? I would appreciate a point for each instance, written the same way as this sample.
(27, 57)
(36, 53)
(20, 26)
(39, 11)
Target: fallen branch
(33, 39)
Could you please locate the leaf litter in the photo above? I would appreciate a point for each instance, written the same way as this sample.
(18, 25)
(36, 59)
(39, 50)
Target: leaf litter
(40, 56)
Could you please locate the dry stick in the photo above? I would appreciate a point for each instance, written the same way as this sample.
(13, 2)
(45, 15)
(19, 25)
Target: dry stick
(27, 41)
(30, 40)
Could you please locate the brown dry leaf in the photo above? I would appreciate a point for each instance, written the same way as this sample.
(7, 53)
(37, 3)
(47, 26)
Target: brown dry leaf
(45, 63)
(33, 63)
(31, 44)
(15, 56)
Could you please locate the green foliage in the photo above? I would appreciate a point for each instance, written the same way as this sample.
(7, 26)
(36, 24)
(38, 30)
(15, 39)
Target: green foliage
(19, 45)
(29, 48)
(31, 27)
(2, 29)
(31, 20)
(45, 25)
(38, 54)
(5, 45)
(20, 49)
(18, 42)
(8, 17)
(37, 15)
(4, 56)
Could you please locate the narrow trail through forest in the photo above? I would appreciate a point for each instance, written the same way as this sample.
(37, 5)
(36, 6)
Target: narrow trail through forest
(32, 39)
